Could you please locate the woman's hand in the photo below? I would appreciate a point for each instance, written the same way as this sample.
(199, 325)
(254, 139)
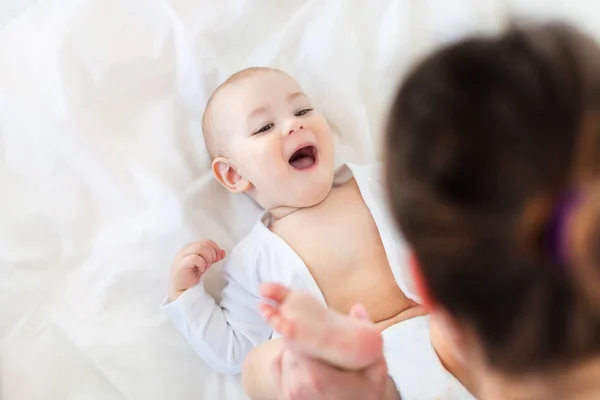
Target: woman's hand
(325, 355)
(304, 378)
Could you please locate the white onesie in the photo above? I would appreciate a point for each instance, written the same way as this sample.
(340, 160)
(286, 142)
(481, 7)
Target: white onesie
(224, 334)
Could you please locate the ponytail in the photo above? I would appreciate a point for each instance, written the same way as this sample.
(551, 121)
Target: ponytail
(564, 228)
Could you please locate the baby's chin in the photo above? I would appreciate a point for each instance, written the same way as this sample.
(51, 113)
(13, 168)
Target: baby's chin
(313, 195)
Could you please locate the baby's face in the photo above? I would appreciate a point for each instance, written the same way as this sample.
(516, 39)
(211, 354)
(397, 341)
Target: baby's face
(277, 141)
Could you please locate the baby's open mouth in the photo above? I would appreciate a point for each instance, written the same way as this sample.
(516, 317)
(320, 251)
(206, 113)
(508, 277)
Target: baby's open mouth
(304, 157)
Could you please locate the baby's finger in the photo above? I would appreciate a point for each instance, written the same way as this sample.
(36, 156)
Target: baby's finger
(220, 253)
(196, 247)
(192, 248)
(267, 310)
(194, 260)
(214, 246)
(211, 243)
(281, 325)
(209, 254)
(274, 292)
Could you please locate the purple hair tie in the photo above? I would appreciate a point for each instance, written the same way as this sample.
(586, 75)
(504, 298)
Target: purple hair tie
(557, 228)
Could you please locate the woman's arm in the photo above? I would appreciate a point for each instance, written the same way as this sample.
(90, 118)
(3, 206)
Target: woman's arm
(258, 378)
(272, 372)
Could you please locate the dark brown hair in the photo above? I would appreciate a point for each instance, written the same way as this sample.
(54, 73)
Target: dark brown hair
(484, 138)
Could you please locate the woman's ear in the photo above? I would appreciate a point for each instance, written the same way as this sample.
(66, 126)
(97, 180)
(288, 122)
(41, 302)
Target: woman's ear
(447, 336)
(423, 291)
(228, 176)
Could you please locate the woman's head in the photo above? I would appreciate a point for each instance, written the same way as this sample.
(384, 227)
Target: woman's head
(493, 164)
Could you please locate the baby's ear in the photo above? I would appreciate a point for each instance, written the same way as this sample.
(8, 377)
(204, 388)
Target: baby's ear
(228, 176)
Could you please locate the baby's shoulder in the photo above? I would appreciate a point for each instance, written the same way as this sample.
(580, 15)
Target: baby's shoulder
(253, 245)
(253, 257)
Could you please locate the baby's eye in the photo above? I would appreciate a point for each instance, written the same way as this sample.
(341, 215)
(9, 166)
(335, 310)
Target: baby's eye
(303, 112)
(264, 129)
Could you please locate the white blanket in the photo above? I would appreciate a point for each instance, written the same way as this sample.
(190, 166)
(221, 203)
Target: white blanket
(104, 174)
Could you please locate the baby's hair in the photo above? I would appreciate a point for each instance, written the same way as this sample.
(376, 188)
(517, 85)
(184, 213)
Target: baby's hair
(208, 131)
(487, 139)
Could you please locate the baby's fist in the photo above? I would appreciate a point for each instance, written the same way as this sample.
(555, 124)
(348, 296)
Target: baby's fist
(190, 264)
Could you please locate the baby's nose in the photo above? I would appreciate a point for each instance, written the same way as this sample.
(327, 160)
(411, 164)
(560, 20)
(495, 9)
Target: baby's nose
(293, 129)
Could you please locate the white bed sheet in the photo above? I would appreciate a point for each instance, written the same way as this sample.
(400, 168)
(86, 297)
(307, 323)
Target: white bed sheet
(104, 174)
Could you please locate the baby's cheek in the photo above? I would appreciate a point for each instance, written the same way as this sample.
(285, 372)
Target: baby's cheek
(270, 170)
(271, 156)
(320, 124)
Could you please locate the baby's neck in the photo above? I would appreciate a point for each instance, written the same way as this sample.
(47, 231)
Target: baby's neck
(281, 212)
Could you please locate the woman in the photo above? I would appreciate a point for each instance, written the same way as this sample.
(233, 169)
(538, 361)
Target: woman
(493, 164)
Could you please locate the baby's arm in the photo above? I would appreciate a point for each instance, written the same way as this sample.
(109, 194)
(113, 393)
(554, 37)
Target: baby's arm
(190, 264)
(222, 334)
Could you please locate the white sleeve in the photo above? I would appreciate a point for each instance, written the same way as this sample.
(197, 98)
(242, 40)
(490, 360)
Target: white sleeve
(223, 334)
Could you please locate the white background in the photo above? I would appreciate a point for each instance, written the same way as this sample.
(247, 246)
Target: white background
(103, 173)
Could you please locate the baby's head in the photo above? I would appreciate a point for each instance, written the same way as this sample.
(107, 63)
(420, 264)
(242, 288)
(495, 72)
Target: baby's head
(267, 140)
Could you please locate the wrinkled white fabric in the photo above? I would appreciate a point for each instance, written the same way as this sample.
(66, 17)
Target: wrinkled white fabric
(104, 175)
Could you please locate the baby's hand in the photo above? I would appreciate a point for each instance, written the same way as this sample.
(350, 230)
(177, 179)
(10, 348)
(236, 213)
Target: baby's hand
(190, 264)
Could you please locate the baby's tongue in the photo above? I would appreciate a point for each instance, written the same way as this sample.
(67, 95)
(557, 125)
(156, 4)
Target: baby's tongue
(303, 162)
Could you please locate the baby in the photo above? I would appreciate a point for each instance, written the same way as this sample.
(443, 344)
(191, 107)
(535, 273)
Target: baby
(325, 232)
